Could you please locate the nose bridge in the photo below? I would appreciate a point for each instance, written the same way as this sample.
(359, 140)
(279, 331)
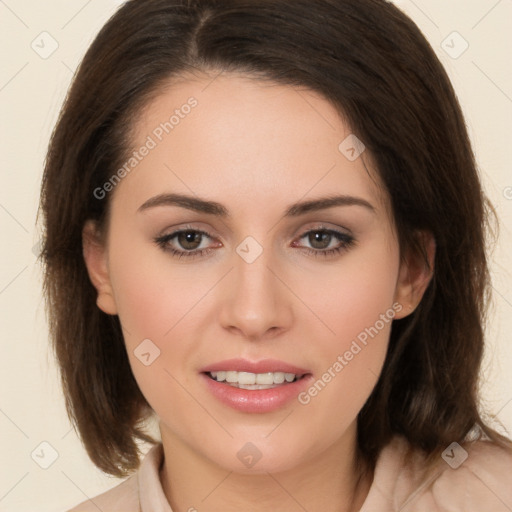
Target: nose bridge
(256, 299)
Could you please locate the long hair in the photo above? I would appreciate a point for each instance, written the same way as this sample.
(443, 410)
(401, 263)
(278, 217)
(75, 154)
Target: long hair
(373, 64)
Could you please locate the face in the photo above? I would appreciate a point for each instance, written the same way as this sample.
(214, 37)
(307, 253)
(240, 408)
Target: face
(251, 277)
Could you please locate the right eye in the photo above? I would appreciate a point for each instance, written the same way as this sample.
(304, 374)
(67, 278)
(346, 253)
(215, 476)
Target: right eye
(187, 239)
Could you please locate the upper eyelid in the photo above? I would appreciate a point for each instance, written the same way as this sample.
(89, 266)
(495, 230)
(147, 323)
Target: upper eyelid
(299, 236)
(318, 226)
(344, 242)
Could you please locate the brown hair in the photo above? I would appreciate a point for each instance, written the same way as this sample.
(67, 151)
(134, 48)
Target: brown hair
(374, 65)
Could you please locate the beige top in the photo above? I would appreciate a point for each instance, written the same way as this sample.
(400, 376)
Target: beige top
(480, 483)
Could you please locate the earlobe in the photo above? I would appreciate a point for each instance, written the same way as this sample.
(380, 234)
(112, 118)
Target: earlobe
(95, 257)
(415, 275)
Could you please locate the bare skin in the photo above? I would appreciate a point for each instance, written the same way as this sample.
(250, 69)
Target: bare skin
(256, 148)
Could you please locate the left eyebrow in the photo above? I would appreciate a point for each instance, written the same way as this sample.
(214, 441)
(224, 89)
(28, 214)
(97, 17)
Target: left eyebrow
(217, 209)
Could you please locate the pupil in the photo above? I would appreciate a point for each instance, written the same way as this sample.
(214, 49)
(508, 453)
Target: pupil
(187, 239)
(318, 236)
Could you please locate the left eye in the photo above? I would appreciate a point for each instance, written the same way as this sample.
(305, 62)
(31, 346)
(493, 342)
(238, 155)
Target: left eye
(190, 241)
(323, 237)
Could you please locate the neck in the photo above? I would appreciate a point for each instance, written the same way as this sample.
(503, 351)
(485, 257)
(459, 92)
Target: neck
(332, 481)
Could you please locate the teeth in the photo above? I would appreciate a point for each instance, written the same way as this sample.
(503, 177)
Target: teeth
(248, 380)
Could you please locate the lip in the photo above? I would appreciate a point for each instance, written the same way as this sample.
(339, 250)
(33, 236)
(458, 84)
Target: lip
(263, 366)
(256, 400)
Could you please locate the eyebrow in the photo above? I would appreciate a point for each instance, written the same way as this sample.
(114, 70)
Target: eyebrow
(217, 209)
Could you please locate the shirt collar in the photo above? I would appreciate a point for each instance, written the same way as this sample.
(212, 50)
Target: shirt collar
(151, 493)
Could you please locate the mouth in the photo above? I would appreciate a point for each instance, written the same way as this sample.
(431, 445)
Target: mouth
(255, 387)
(253, 381)
(249, 392)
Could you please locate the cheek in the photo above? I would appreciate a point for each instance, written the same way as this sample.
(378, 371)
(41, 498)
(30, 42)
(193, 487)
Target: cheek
(356, 308)
(150, 305)
(152, 292)
(350, 298)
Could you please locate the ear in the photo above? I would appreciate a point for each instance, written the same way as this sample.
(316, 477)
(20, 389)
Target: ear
(415, 275)
(95, 256)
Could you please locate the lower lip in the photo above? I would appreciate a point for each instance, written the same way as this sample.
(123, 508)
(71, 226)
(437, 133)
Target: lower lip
(256, 400)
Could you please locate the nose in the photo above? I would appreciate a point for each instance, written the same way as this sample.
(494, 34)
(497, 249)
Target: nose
(256, 302)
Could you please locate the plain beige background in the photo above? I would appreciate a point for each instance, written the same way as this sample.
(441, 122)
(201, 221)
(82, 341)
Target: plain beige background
(42, 43)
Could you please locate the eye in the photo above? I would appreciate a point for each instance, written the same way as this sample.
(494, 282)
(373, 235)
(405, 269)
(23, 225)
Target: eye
(321, 238)
(189, 239)
(186, 243)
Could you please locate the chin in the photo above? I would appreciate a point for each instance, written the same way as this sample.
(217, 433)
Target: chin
(259, 455)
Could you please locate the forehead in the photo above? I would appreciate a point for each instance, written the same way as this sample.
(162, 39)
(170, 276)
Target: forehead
(253, 142)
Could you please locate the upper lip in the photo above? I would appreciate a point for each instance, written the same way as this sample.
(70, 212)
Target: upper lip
(263, 366)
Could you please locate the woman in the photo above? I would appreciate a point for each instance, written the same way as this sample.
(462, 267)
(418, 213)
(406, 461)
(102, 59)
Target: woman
(269, 219)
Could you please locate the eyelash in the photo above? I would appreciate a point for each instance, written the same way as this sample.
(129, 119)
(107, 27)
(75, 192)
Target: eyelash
(163, 242)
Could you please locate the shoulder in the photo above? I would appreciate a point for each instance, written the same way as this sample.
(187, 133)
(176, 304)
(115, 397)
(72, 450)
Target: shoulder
(142, 489)
(122, 497)
(471, 477)
(482, 480)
